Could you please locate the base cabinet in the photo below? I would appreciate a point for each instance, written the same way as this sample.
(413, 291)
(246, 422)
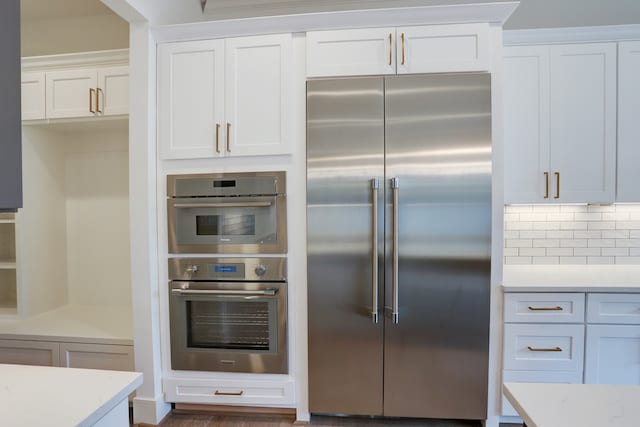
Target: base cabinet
(612, 354)
(39, 353)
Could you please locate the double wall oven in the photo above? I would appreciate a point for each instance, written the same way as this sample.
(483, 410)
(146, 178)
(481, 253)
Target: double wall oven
(227, 313)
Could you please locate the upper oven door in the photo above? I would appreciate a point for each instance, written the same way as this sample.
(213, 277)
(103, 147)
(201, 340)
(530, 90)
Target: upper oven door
(242, 225)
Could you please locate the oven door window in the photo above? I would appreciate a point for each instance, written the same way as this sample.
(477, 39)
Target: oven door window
(233, 324)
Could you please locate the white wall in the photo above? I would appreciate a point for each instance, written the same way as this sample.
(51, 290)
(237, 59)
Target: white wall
(77, 34)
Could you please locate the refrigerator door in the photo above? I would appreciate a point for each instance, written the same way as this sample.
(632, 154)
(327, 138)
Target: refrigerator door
(345, 155)
(438, 147)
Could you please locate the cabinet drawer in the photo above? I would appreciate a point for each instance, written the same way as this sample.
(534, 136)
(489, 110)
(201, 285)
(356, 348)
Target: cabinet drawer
(41, 353)
(543, 308)
(614, 308)
(229, 392)
(536, 377)
(531, 347)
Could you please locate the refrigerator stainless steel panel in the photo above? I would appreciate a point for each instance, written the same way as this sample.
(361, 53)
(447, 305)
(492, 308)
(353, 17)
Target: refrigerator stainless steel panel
(438, 155)
(345, 158)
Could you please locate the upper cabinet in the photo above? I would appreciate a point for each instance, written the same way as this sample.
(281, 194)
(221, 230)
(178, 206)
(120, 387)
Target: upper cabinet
(560, 123)
(75, 86)
(628, 189)
(402, 50)
(227, 97)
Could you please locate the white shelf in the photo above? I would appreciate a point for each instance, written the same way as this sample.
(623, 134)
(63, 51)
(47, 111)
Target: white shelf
(7, 265)
(7, 221)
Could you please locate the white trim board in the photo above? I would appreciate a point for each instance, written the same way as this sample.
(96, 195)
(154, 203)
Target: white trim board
(75, 60)
(605, 33)
(485, 12)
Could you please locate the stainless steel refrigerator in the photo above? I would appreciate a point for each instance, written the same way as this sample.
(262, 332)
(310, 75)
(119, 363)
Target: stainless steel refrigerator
(399, 245)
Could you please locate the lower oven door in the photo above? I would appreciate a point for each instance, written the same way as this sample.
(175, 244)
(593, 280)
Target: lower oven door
(231, 327)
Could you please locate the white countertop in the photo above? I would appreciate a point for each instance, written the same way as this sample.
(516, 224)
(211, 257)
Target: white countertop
(40, 395)
(584, 405)
(571, 278)
(108, 325)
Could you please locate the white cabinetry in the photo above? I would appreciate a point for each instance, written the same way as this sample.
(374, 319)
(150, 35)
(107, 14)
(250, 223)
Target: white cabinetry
(18, 352)
(402, 50)
(628, 189)
(560, 123)
(225, 97)
(8, 266)
(33, 96)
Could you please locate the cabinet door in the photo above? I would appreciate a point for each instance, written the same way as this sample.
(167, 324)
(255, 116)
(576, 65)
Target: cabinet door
(113, 91)
(443, 48)
(33, 95)
(628, 189)
(369, 51)
(191, 99)
(612, 354)
(526, 124)
(258, 101)
(583, 122)
(97, 356)
(41, 353)
(71, 93)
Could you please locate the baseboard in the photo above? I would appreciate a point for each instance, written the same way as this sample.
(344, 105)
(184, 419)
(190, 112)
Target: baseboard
(149, 412)
(191, 408)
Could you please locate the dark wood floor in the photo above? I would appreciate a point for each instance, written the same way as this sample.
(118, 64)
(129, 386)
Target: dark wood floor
(182, 420)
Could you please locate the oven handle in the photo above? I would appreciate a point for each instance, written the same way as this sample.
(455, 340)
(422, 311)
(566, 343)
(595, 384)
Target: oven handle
(266, 292)
(223, 205)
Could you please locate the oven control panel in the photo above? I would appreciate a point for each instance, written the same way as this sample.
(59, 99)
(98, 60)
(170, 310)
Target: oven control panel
(233, 269)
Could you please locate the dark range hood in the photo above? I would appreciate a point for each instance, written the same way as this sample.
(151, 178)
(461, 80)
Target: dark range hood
(10, 116)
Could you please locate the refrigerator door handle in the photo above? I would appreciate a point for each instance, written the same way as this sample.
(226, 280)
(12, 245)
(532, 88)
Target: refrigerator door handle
(395, 184)
(375, 184)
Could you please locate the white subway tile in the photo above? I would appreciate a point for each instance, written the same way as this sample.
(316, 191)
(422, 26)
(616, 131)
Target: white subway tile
(546, 208)
(518, 225)
(547, 225)
(601, 208)
(634, 234)
(518, 208)
(593, 234)
(533, 251)
(601, 260)
(536, 234)
(573, 243)
(586, 252)
(634, 251)
(615, 216)
(590, 216)
(573, 208)
(511, 217)
(517, 260)
(518, 243)
(533, 216)
(510, 251)
(615, 252)
(616, 234)
(545, 260)
(602, 243)
(602, 225)
(628, 208)
(573, 225)
(573, 260)
(628, 243)
(546, 243)
(635, 260)
(559, 251)
(566, 234)
(634, 216)
(628, 225)
(512, 234)
(566, 216)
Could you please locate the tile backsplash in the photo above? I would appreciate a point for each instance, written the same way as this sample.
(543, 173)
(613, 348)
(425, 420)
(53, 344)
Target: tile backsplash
(572, 234)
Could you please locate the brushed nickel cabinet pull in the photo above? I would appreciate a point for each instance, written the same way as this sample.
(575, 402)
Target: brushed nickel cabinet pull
(228, 137)
(217, 137)
(402, 36)
(225, 393)
(546, 185)
(556, 308)
(91, 92)
(390, 49)
(554, 349)
(557, 196)
(98, 92)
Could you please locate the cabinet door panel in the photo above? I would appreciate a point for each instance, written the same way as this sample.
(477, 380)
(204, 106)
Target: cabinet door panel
(443, 48)
(97, 356)
(190, 98)
(526, 123)
(39, 353)
(258, 103)
(612, 354)
(628, 124)
(369, 51)
(33, 95)
(583, 122)
(114, 85)
(68, 93)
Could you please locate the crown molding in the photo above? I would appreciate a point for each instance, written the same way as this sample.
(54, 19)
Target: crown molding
(76, 60)
(606, 33)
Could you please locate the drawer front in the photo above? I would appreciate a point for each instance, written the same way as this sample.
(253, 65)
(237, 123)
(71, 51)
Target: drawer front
(543, 347)
(40, 353)
(614, 308)
(229, 392)
(535, 377)
(544, 308)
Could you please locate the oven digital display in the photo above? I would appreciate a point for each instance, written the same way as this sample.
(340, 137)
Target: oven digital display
(225, 268)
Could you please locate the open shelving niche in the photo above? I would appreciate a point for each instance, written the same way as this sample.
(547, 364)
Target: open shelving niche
(8, 267)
